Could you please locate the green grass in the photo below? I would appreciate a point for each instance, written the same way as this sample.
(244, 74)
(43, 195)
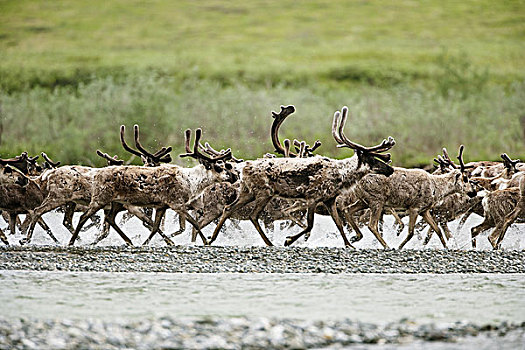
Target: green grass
(260, 41)
(430, 73)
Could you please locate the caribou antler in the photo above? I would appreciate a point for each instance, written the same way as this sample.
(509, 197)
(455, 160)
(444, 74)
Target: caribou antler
(48, 162)
(335, 124)
(149, 159)
(460, 158)
(302, 148)
(450, 162)
(316, 145)
(213, 152)
(111, 160)
(343, 141)
(278, 119)
(446, 159)
(196, 153)
(157, 156)
(287, 145)
(17, 159)
(23, 162)
(308, 150)
(443, 164)
(125, 145)
(509, 163)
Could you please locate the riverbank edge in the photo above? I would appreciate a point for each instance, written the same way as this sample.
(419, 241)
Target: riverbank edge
(235, 259)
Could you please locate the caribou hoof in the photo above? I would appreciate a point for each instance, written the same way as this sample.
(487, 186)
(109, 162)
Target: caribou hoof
(355, 239)
(306, 236)
(493, 244)
(288, 241)
(24, 241)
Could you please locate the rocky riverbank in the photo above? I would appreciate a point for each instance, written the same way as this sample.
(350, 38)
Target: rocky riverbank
(257, 333)
(192, 259)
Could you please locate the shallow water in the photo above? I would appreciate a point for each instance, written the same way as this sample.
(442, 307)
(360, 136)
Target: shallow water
(369, 298)
(324, 234)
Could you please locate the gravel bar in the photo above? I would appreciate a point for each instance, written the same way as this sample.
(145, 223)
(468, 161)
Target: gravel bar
(194, 259)
(254, 333)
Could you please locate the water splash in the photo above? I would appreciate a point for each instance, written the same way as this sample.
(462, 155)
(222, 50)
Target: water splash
(324, 234)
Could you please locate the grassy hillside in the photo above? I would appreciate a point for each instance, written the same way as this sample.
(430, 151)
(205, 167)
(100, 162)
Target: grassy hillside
(429, 73)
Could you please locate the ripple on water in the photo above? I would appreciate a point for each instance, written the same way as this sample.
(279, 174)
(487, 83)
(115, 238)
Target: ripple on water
(369, 297)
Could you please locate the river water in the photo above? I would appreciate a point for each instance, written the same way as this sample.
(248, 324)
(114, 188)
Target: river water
(373, 298)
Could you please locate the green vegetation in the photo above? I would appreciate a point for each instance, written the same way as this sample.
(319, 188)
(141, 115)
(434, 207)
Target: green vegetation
(429, 73)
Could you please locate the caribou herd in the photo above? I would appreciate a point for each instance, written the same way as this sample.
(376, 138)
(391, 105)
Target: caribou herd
(292, 185)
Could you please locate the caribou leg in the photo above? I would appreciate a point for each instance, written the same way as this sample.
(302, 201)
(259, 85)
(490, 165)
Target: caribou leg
(92, 209)
(243, 199)
(149, 223)
(354, 208)
(485, 225)
(190, 219)
(497, 235)
(430, 220)
(46, 228)
(412, 217)
(34, 215)
(105, 230)
(399, 222)
(332, 208)
(259, 206)
(110, 218)
(159, 215)
(12, 222)
(69, 211)
(309, 225)
(376, 212)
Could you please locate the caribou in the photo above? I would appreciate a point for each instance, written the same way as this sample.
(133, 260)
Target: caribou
(71, 186)
(165, 186)
(314, 180)
(501, 209)
(21, 195)
(209, 205)
(414, 190)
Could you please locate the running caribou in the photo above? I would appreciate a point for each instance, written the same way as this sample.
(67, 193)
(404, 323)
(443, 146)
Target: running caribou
(209, 205)
(501, 209)
(165, 186)
(314, 180)
(414, 190)
(71, 186)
